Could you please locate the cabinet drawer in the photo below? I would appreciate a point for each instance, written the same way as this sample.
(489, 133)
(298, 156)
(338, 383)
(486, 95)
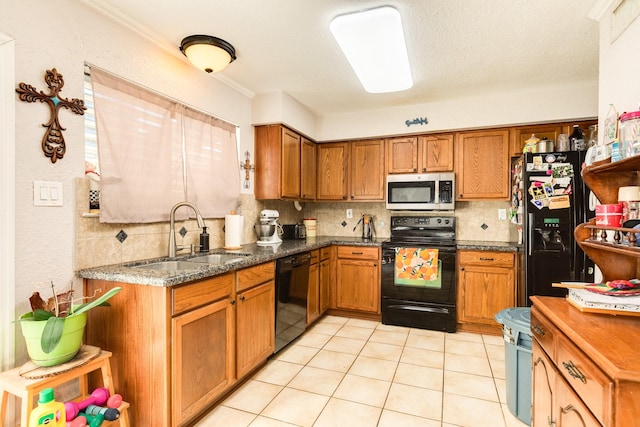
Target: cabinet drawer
(188, 297)
(584, 376)
(543, 332)
(315, 256)
(325, 253)
(357, 252)
(488, 258)
(255, 275)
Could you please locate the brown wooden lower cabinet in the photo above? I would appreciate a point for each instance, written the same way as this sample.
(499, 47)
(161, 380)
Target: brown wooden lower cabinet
(176, 350)
(486, 285)
(325, 279)
(255, 337)
(313, 297)
(200, 370)
(358, 279)
(585, 370)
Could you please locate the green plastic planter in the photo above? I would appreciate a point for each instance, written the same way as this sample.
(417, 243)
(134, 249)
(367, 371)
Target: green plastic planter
(67, 348)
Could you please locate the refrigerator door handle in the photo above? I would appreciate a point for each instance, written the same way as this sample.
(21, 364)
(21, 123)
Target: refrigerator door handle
(530, 234)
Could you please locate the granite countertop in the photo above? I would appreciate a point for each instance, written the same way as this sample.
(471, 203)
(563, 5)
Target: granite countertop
(489, 246)
(250, 254)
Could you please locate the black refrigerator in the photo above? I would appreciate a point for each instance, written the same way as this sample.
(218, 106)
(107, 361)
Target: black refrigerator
(549, 199)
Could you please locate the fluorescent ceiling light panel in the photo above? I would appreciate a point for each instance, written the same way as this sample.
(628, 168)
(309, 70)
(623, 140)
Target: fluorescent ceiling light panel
(373, 42)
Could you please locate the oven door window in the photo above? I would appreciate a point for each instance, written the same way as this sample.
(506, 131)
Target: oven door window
(418, 267)
(411, 192)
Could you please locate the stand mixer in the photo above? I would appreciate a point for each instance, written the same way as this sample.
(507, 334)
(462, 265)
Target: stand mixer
(267, 230)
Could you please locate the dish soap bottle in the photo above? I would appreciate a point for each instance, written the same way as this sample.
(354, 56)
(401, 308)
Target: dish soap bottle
(48, 412)
(204, 240)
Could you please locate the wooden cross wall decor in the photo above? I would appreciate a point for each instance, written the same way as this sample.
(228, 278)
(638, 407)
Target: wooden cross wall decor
(53, 141)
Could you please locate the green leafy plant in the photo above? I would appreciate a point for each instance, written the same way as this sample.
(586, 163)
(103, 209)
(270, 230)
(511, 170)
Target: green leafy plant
(56, 310)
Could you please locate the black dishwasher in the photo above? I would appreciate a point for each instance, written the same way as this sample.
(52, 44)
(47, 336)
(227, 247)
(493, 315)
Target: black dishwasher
(292, 287)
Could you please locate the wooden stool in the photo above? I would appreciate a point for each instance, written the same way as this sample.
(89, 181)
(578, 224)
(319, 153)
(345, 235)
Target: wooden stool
(28, 380)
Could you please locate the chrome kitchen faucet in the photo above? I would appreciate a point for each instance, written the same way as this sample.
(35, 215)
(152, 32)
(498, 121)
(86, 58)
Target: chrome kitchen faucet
(173, 248)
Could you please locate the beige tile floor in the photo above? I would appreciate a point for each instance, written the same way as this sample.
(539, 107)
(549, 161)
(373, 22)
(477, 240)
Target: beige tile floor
(357, 373)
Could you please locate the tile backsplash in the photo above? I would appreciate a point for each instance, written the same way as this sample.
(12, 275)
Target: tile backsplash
(98, 244)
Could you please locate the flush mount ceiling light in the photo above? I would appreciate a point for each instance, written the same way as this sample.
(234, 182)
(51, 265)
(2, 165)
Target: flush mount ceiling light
(208, 53)
(373, 42)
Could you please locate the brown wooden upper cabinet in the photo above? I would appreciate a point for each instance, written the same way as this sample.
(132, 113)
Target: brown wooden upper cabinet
(367, 170)
(350, 170)
(332, 165)
(284, 164)
(482, 165)
(420, 154)
(520, 135)
(550, 131)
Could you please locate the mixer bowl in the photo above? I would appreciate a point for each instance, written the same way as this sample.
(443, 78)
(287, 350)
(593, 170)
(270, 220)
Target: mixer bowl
(265, 231)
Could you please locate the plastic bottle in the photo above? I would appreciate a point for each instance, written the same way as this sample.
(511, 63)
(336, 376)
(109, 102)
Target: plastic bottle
(48, 412)
(576, 139)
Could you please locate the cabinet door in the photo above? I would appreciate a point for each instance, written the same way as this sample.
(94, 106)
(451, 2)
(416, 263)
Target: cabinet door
(313, 298)
(483, 292)
(544, 380)
(520, 134)
(482, 165)
(267, 156)
(402, 155)
(290, 164)
(255, 326)
(367, 170)
(435, 153)
(358, 285)
(571, 411)
(308, 170)
(202, 364)
(325, 283)
(332, 171)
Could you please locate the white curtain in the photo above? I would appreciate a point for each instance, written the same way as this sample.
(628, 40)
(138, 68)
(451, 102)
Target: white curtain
(213, 175)
(142, 141)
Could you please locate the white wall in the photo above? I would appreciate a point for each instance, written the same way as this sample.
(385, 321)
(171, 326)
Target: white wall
(64, 34)
(619, 68)
(529, 105)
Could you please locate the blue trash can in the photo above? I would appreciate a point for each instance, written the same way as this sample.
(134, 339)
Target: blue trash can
(516, 331)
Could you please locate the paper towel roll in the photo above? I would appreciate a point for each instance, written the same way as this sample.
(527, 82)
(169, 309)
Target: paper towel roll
(232, 231)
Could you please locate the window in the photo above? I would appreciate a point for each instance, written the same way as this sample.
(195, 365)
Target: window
(153, 152)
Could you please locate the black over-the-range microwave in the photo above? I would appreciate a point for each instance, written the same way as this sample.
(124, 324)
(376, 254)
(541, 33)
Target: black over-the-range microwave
(421, 191)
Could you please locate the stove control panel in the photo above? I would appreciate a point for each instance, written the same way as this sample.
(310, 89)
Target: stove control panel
(423, 221)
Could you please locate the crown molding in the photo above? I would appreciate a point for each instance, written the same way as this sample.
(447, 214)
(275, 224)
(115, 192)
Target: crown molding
(600, 8)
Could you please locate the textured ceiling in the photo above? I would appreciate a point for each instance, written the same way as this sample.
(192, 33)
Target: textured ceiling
(457, 48)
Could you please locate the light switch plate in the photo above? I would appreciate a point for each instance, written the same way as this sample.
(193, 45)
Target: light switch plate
(47, 193)
(502, 214)
(349, 213)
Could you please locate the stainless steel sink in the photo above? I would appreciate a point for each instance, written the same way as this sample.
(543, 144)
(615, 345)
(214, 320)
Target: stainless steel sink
(218, 259)
(170, 266)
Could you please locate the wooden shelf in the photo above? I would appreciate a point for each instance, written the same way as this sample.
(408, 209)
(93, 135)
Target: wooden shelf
(605, 179)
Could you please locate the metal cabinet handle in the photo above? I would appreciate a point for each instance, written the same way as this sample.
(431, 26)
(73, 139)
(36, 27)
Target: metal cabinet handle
(574, 371)
(357, 253)
(538, 330)
(232, 302)
(487, 259)
(461, 268)
(241, 297)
